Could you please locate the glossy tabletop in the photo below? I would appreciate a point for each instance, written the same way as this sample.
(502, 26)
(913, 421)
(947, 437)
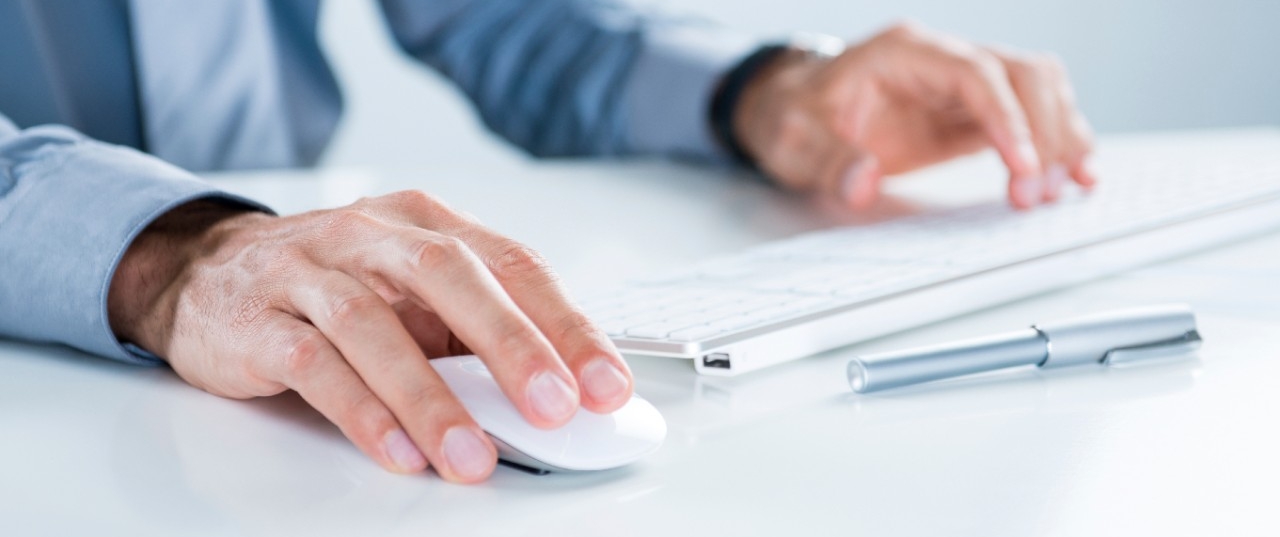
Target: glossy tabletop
(1182, 447)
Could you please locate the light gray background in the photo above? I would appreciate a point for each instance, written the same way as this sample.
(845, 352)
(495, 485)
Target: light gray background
(1137, 64)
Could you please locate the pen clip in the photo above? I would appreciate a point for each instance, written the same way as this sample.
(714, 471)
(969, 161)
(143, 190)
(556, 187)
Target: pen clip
(1160, 349)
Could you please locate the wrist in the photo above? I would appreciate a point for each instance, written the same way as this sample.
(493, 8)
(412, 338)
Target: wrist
(760, 100)
(755, 116)
(143, 292)
(731, 93)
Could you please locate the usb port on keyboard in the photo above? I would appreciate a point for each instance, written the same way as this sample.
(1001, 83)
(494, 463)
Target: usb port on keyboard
(716, 360)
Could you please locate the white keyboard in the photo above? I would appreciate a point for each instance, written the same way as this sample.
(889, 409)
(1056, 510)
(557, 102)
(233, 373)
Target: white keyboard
(789, 299)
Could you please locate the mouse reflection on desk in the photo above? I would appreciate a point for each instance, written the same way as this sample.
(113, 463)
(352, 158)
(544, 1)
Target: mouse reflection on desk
(589, 441)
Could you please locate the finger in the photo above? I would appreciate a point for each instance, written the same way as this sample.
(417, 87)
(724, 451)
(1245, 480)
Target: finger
(429, 331)
(1067, 137)
(1076, 135)
(979, 80)
(985, 90)
(862, 181)
(443, 275)
(1038, 90)
(1080, 144)
(1084, 174)
(603, 375)
(589, 354)
(367, 333)
(311, 366)
(1073, 142)
(851, 175)
(535, 290)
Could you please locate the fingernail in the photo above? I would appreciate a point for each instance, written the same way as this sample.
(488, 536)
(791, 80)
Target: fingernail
(1055, 178)
(603, 381)
(1088, 174)
(551, 397)
(403, 453)
(1027, 191)
(466, 453)
(1027, 152)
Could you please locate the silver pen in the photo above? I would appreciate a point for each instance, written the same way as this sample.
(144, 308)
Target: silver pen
(1104, 338)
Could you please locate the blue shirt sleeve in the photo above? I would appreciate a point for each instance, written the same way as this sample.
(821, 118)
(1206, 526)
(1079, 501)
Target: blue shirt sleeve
(69, 207)
(577, 77)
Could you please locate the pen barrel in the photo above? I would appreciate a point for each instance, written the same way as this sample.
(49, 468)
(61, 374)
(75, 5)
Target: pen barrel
(1088, 339)
(912, 366)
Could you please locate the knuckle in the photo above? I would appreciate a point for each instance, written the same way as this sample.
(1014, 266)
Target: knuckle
(576, 323)
(365, 404)
(1040, 68)
(342, 221)
(350, 309)
(415, 200)
(1022, 70)
(422, 204)
(902, 29)
(303, 353)
(428, 395)
(965, 62)
(469, 218)
(515, 260)
(982, 72)
(983, 65)
(524, 360)
(368, 414)
(438, 251)
(517, 340)
(1050, 63)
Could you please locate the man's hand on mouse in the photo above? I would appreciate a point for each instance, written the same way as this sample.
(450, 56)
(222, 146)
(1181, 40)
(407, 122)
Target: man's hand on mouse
(345, 306)
(907, 98)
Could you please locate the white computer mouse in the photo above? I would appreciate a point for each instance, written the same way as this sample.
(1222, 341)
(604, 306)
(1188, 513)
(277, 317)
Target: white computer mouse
(589, 441)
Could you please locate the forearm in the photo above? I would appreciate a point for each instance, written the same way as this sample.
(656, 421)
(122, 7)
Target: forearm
(577, 77)
(69, 209)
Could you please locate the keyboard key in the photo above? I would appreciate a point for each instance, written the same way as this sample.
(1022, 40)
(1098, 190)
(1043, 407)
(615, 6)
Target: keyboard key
(653, 330)
(689, 319)
(614, 327)
(694, 333)
(739, 322)
(722, 311)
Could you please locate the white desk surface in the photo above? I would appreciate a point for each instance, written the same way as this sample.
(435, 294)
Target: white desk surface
(1188, 447)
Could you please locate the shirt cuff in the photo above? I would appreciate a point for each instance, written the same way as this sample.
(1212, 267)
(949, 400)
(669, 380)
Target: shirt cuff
(671, 85)
(73, 207)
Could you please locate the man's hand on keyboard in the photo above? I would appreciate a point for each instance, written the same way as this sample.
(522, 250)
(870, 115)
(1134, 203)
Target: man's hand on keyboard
(907, 98)
(345, 306)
